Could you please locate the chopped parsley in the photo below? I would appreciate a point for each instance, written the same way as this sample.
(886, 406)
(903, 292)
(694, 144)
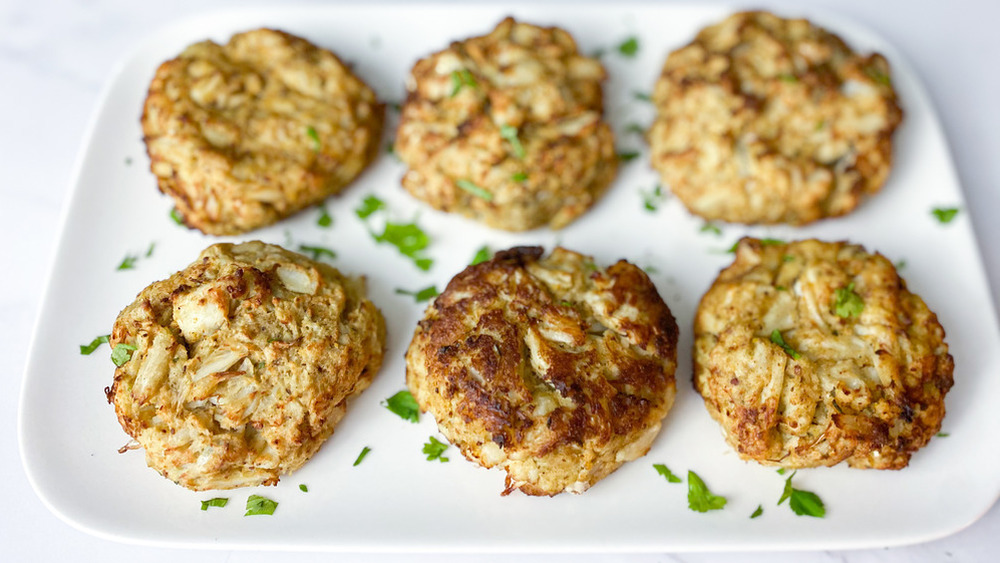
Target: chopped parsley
(791, 78)
(651, 270)
(635, 128)
(460, 79)
(474, 189)
(390, 148)
(628, 156)
(128, 262)
(325, 220)
(847, 303)
(945, 214)
(787, 258)
(434, 448)
(900, 265)
(780, 341)
(803, 503)
(304, 488)
(942, 434)
(361, 456)
(369, 205)
(651, 200)
(758, 512)
(710, 228)
(312, 134)
(404, 405)
(509, 133)
(88, 349)
(642, 96)
(629, 47)
(482, 255)
(878, 76)
(781, 471)
(519, 177)
(122, 353)
(217, 502)
(149, 251)
(663, 470)
(258, 505)
(176, 216)
(421, 295)
(763, 242)
(700, 499)
(317, 252)
(409, 239)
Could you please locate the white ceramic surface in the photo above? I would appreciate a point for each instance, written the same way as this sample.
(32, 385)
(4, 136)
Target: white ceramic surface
(397, 501)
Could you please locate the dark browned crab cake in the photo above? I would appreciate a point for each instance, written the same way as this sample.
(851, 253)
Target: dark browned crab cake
(812, 353)
(245, 134)
(553, 368)
(506, 128)
(243, 363)
(769, 120)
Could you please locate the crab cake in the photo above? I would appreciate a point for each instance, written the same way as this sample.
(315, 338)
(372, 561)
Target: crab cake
(245, 134)
(243, 362)
(812, 353)
(769, 120)
(552, 368)
(506, 129)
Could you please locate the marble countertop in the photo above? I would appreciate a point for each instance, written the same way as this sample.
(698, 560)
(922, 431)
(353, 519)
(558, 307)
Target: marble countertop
(56, 55)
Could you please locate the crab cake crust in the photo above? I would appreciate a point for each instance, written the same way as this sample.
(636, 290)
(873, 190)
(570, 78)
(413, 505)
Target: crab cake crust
(243, 363)
(552, 368)
(872, 367)
(506, 129)
(769, 120)
(245, 134)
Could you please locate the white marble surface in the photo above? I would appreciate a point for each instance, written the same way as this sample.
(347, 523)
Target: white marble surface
(55, 56)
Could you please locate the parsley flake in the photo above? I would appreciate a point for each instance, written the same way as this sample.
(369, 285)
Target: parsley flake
(409, 239)
(312, 134)
(635, 128)
(945, 214)
(325, 220)
(847, 303)
(711, 228)
(460, 79)
(176, 216)
(128, 263)
(758, 512)
(122, 353)
(781, 471)
(652, 199)
(878, 76)
(474, 189)
(642, 96)
(942, 434)
(663, 470)
(509, 133)
(434, 448)
(403, 405)
(421, 295)
(803, 503)
(88, 349)
(900, 265)
(790, 78)
(149, 251)
(780, 341)
(482, 255)
(629, 47)
(519, 177)
(304, 488)
(317, 252)
(361, 456)
(700, 499)
(217, 502)
(628, 156)
(258, 505)
(369, 205)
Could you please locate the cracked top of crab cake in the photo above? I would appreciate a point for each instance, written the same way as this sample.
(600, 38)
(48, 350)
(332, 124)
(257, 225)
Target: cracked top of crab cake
(507, 129)
(762, 119)
(812, 353)
(552, 368)
(242, 363)
(244, 134)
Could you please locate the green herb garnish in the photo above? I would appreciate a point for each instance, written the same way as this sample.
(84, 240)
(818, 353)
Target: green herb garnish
(803, 503)
(787, 258)
(642, 96)
(629, 47)
(461, 78)
(782, 471)
(361, 456)
(128, 262)
(317, 252)
(780, 341)
(945, 214)
(421, 295)
(758, 512)
(217, 502)
(942, 434)
(128, 161)
(304, 488)
(700, 499)
(788, 78)
(122, 353)
(369, 205)
(710, 228)
(878, 76)
(149, 251)
(258, 505)
(900, 265)
(409, 239)
(404, 405)
(176, 216)
(325, 220)
(662, 470)
(635, 128)
(519, 177)
(652, 199)
(474, 189)
(88, 349)
(312, 134)
(509, 133)
(628, 156)
(482, 255)
(847, 303)
(434, 448)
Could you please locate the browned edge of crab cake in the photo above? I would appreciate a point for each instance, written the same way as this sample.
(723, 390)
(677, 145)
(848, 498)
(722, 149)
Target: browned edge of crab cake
(243, 363)
(244, 134)
(553, 368)
(762, 119)
(812, 353)
(507, 129)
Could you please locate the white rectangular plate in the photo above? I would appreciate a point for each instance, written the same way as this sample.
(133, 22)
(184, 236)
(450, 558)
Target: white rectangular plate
(396, 500)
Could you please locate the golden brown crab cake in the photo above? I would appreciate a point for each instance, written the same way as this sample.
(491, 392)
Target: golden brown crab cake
(553, 368)
(812, 353)
(245, 134)
(769, 120)
(243, 362)
(507, 129)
